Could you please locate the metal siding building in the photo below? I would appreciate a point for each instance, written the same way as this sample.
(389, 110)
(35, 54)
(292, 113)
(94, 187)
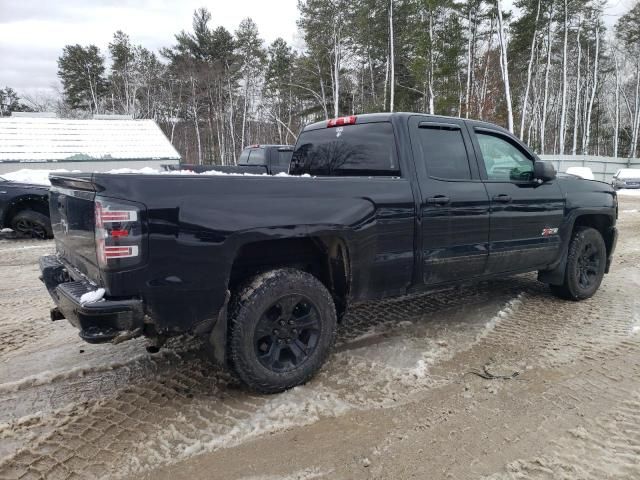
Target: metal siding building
(95, 145)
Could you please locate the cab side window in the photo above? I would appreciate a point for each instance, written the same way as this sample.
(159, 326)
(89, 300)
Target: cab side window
(443, 152)
(503, 161)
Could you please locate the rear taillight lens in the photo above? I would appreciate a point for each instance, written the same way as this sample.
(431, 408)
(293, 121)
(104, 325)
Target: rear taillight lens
(118, 231)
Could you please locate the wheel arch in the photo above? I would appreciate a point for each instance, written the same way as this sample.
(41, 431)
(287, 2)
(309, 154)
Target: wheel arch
(598, 221)
(38, 203)
(602, 222)
(324, 256)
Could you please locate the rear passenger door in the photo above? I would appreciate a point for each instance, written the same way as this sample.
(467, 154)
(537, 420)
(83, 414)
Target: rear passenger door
(525, 215)
(454, 205)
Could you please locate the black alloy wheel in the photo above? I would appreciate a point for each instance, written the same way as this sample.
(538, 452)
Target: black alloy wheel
(588, 265)
(287, 333)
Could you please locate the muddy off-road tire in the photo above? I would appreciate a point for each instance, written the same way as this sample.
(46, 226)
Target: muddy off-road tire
(282, 326)
(586, 262)
(33, 224)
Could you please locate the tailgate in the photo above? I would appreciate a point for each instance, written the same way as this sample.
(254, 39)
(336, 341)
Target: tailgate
(71, 205)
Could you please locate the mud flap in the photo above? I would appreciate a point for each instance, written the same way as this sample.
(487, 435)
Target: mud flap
(554, 276)
(218, 337)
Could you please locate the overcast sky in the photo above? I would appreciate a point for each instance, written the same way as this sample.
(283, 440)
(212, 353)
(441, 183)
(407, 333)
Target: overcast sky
(33, 32)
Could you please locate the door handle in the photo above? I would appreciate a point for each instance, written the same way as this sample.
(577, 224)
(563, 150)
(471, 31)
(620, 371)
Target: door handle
(502, 198)
(438, 200)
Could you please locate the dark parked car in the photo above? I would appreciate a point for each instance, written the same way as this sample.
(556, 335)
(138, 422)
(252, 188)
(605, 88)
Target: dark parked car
(626, 178)
(25, 208)
(391, 204)
(256, 159)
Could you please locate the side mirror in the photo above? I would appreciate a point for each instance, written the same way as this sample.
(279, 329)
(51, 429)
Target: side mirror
(543, 171)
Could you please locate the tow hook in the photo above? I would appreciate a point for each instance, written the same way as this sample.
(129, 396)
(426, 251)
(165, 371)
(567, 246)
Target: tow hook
(155, 343)
(56, 314)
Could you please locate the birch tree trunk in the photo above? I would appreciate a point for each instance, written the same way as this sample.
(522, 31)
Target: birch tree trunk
(244, 111)
(563, 107)
(545, 101)
(525, 101)
(636, 116)
(337, 53)
(616, 122)
(232, 132)
(392, 59)
(594, 88)
(386, 82)
(430, 85)
(504, 63)
(194, 107)
(469, 67)
(574, 146)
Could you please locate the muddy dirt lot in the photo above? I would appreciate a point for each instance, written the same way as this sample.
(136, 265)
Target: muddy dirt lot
(398, 399)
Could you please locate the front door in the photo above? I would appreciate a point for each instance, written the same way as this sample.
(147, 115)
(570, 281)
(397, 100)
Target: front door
(525, 215)
(454, 206)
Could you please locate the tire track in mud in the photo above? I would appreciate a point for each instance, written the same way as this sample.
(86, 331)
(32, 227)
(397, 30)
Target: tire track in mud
(189, 406)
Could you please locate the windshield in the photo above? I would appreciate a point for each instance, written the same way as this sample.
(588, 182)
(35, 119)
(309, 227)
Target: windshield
(355, 150)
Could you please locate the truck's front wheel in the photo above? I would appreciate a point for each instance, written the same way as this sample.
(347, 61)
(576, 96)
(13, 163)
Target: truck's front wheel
(586, 262)
(282, 328)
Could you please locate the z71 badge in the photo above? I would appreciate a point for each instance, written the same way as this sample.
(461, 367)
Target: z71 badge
(549, 231)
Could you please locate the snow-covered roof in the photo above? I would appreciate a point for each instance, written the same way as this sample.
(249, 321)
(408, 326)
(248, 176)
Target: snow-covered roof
(58, 139)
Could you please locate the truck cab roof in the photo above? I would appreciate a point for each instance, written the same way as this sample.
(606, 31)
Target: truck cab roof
(389, 116)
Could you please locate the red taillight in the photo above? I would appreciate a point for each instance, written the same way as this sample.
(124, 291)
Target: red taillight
(118, 233)
(121, 252)
(337, 122)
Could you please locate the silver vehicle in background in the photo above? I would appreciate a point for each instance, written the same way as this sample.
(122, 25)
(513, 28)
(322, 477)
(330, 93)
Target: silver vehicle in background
(626, 178)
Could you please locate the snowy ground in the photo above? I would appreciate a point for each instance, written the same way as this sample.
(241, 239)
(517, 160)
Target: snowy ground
(398, 398)
(41, 177)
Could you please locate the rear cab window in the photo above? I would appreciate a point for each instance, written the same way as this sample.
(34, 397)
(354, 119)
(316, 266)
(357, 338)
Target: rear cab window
(244, 156)
(252, 156)
(365, 149)
(443, 151)
(257, 157)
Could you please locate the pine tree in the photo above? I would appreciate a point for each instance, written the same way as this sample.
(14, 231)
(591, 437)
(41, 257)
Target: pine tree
(81, 70)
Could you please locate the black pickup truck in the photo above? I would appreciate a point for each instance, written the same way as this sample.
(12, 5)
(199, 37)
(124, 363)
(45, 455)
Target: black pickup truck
(375, 206)
(255, 159)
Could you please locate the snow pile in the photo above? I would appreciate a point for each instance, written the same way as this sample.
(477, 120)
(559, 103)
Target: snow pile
(635, 326)
(215, 173)
(144, 171)
(582, 172)
(92, 297)
(41, 177)
(629, 191)
(37, 177)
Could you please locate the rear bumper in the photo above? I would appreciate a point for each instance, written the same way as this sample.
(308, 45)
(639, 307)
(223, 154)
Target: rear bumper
(107, 320)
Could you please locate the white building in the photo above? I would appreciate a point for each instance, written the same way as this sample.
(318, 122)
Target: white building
(101, 144)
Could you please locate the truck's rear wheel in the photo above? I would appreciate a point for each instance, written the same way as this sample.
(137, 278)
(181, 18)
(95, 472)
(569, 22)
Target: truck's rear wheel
(282, 328)
(31, 223)
(586, 262)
